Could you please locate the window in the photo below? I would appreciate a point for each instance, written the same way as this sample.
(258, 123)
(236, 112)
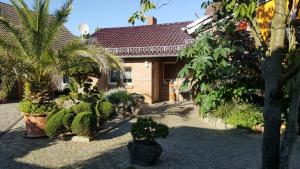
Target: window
(127, 79)
(114, 77)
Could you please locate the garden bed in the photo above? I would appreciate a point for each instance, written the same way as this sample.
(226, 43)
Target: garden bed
(103, 129)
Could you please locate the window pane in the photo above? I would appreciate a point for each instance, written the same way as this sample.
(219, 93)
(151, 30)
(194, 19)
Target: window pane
(114, 76)
(127, 76)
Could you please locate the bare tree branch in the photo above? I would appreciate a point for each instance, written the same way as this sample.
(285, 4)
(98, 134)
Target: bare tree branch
(164, 4)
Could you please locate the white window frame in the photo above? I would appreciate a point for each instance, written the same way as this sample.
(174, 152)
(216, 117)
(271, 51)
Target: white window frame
(122, 78)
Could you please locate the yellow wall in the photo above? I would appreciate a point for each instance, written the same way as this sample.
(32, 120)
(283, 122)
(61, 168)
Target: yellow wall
(264, 15)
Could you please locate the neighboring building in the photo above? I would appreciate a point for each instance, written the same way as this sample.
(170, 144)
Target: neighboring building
(150, 55)
(264, 15)
(7, 11)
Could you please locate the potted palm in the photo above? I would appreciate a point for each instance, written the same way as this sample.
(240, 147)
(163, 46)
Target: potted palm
(29, 52)
(144, 150)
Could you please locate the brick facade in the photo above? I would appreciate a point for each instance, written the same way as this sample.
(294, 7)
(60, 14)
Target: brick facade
(141, 79)
(148, 81)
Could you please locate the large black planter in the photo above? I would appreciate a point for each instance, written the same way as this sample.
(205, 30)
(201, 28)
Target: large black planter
(144, 153)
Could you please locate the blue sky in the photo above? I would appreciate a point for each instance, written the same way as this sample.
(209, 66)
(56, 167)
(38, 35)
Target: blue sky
(115, 13)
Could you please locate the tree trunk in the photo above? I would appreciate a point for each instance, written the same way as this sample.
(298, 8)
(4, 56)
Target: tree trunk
(272, 111)
(290, 135)
(273, 89)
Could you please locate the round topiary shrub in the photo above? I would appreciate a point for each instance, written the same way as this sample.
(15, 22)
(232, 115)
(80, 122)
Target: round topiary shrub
(81, 107)
(104, 110)
(67, 120)
(84, 124)
(55, 125)
(148, 130)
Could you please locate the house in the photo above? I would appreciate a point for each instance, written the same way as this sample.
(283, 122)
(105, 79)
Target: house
(264, 14)
(8, 11)
(149, 53)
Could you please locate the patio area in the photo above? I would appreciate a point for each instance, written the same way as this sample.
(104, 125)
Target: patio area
(192, 144)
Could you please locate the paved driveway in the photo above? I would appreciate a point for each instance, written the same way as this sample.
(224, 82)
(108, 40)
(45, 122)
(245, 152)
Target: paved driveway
(192, 144)
(9, 115)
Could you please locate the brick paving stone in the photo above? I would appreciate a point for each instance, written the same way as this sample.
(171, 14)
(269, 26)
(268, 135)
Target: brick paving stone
(192, 144)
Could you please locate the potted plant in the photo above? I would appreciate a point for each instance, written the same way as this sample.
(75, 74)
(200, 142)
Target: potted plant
(35, 113)
(35, 116)
(35, 54)
(144, 150)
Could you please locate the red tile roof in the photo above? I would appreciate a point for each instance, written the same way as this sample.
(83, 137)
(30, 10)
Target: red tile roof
(7, 11)
(147, 40)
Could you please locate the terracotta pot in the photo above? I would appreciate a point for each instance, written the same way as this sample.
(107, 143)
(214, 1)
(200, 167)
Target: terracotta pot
(172, 97)
(35, 125)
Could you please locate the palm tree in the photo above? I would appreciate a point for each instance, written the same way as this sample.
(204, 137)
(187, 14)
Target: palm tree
(28, 54)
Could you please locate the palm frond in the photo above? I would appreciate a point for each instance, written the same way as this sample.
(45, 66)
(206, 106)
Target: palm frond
(105, 59)
(60, 17)
(24, 14)
(17, 34)
(7, 82)
(42, 19)
(9, 45)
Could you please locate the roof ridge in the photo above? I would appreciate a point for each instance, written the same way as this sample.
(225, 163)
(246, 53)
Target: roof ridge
(7, 4)
(161, 24)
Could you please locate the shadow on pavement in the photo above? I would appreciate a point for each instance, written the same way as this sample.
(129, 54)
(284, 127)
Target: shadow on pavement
(165, 108)
(15, 145)
(117, 132)
(192, 148)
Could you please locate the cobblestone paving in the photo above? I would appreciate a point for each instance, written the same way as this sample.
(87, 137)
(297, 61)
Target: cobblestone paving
(9, 114)
(192, 144)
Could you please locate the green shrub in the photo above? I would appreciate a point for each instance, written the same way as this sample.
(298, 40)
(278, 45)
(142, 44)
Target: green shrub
(147, 129)
(223, 110)
(117, 96)
(244, 115)
(55, 124)
(81, 107)
(84, 124)
(104, 110)
(67, 120)
(29, 107)
(49, 115)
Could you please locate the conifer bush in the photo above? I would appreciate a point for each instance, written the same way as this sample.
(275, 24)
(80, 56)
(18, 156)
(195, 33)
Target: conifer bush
(81, 107)
(104, 110)
(84, 124)
(55, 124)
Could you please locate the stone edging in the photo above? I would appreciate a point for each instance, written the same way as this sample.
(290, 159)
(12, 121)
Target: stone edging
(217, 122)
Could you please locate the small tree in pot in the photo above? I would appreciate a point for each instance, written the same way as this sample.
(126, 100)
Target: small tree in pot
(144, 150)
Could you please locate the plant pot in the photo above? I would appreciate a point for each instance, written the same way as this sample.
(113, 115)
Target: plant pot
(144, 153)
(259, 128)
(35, 125)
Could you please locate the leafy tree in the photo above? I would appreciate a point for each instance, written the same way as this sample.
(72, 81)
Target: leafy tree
(280, 48)
(29, 53)
(218, 72)
(80, 68)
